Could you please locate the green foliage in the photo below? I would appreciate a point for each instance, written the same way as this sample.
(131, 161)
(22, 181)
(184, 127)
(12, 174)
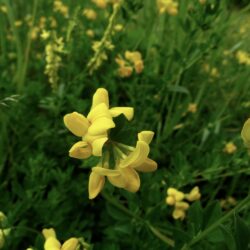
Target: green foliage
(188, 59)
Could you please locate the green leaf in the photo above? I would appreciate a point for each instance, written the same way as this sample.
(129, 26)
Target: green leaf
(242, 233)
(195, 217)
(228, 238)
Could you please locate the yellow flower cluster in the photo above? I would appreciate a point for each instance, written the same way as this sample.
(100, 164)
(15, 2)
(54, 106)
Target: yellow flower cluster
(228, 203)
(94, 131)
(53, 51)
(192, 108)
(133, 61)
(176, 198)
(230, 148)
(52, 243)
(3, 232)
(60, 7)
(245, 134)
(243, 57)
(167, 6)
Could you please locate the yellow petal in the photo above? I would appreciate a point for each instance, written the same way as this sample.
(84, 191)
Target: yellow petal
(70, 244)
(146, 136)
(80, 150)
(128, 112)
(101, 96)
(245, 133)
(97, 146)
(137, 157)
(132, 179)
(96, 183)
(194, 194)
(76, 123)
(101, 110)
(49, 233)
(117, 181)
(179, 214)
(100, 126)
(106, 171)
(170, 200)
(172, 191)
(52, 244)
(181, 205)
(147, 166)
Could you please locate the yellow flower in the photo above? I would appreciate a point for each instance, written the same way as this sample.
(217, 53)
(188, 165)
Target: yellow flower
(18, 23)
(118, 27)
(168, 6)
(3, 8)
(243, 57)
(90, 33)
(45, 34)
(52, 243)
(194, 194)
(89, 14)
(174, 196)
(202, 2)
(100, 3)
(125, 173)
(230, 148)
(135, 58)
(192, 108)
(3, 234)
(94, 128)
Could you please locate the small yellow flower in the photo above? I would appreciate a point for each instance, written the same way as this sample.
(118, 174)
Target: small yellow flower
(194, 194)
(243, 57)
(52, 243)
(100, 3)
(118, 27)
(90, 33)
(3, 8)
(168, 6)
(61, 8)
(18, 23)
(90, 14)
(192, 108)
(230, 148)
(202, 2)
(45, 34)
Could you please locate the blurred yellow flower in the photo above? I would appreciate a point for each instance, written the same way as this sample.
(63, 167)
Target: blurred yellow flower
(168, 6)
(90, 14)
(18, 23)
(192, 108)
(202, 2)
(230, 148)
(60, 7)
(194, 194)
(133, 60)
(90, 33)
(100, 3)
(243, 57)
(45, 34)
(52, 243)
(3, 8)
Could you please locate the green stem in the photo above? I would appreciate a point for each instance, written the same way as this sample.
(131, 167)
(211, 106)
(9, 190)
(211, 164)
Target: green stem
(153, 229)
(28, 47)
(107, 34)
(207, 231)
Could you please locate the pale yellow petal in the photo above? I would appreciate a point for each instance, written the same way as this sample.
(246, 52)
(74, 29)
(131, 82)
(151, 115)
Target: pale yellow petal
(137, 157)
(100, 111)
(146, 136)
(80, 150)
(70, 244)
(101, 96)
(106, 171)
(194, 194)
(132, 179)
(49, 232)
(117, 181)
(245, 133)
(128, 112)
(179, 214)
(96, 183)
(97, 146)
(76, 123)
(148, 166)
(52, 244)
(181, 205)
(100, 126)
